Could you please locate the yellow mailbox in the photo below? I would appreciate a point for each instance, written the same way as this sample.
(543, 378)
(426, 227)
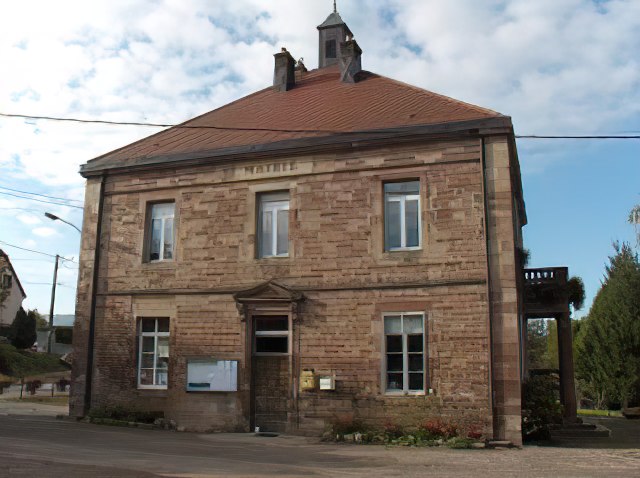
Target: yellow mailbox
(307, 379)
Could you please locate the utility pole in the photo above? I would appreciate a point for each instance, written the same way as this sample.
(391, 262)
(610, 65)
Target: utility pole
(53, 301)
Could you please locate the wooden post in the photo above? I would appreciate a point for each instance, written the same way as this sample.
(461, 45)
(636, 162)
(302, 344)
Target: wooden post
(21, 387)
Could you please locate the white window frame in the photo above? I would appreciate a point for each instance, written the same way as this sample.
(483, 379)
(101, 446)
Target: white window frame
(405, 356)
(155, 334)
(402, 198)
(162, 216)
(274, 206)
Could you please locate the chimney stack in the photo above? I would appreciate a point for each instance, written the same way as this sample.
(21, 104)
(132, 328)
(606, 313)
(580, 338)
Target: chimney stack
(350, 60)
(284, 77)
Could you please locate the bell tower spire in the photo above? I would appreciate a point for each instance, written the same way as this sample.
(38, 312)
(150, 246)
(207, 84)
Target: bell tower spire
(333, 32)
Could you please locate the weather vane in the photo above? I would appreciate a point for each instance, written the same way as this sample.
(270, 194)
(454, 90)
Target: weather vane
(335, 8)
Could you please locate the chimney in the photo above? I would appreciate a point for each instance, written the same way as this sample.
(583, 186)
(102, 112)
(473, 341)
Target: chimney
(350, 60)
(284, 73)
(300, 69)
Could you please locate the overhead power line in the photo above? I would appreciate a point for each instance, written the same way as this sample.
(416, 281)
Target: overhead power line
(41, 195)
(37, 252)
(276, 130)
(41, 200)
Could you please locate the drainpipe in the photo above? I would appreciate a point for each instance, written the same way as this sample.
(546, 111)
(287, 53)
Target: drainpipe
(94, 293)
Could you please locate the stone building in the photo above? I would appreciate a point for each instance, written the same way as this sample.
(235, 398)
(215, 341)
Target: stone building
(11, 292)
(336, 246)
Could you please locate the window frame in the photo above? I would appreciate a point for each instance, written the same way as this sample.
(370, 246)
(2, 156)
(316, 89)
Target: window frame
(149, 233)
(402, 198)
(274, 202)
(156, 335)
(405, 356)
(7, 281)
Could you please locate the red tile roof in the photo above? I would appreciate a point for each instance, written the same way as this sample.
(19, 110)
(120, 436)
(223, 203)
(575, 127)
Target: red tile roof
(319, 105)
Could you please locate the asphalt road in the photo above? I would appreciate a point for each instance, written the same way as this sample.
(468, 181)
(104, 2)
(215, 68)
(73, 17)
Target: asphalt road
(36, 446)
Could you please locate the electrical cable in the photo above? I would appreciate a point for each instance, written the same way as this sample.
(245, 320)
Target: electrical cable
(38, 252)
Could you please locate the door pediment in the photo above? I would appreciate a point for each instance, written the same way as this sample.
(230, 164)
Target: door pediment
(270, 291)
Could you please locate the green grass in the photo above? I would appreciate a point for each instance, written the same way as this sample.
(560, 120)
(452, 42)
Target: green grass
(599, 413)
(21, 363)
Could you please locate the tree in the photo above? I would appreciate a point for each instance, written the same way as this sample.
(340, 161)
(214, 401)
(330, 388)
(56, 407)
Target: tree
(634, 218)
(23, 329)
(608, 343)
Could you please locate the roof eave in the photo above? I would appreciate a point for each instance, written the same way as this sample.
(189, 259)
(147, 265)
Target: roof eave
(479, 127)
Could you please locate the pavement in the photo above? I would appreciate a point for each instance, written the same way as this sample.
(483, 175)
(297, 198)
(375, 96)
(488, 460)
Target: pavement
(40, 445)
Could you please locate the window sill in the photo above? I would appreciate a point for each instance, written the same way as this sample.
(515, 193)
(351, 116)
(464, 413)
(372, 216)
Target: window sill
(159, 265)
(153, 392)
(403, 249)
(405, 394)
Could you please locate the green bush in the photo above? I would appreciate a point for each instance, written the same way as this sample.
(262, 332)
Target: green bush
(541, 407)
(23, 330)
(22, 363)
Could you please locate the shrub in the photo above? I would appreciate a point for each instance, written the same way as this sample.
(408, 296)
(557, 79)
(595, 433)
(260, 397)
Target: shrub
(437, 428)
(541, 407)
(23, 330)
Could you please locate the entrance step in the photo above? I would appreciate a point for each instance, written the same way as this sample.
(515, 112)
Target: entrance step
(580, 430)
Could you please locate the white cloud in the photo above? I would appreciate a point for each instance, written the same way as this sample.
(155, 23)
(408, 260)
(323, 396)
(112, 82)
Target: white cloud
(44, 231)
(28, 219)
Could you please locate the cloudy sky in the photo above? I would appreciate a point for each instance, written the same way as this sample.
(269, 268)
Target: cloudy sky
(557, 67)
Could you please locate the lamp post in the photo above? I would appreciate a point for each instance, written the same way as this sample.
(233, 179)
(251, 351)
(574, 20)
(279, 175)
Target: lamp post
(53, 217)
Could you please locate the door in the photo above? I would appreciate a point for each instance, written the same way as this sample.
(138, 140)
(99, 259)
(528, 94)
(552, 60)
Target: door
(271, 372)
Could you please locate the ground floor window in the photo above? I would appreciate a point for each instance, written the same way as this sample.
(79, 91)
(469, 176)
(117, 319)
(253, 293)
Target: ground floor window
(404, 352)
(153, 358)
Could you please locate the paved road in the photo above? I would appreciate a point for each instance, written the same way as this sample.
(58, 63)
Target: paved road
(43, 446)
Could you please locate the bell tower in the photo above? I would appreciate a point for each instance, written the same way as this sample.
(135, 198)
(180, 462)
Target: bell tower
(332, 33)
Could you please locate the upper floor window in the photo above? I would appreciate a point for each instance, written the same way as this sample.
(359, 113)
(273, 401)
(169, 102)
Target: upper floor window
(153, 359)
(6, 281)
(161, 232)
(402, 223)
(404, 352)
(273, 224)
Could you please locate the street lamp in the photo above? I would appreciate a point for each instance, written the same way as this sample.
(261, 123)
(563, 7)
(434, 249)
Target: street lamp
(53, 217)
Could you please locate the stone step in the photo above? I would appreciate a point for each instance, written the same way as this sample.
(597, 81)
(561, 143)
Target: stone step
(586, 430)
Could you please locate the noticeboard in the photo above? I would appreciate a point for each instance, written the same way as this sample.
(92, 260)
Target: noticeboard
(211, 375)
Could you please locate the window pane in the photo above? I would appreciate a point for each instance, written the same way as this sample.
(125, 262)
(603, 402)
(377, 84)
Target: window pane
(156, 231)
(416, 381)
(416, 362)
(148, 325)
(392, 224)
(394, 343)
(163, 325)
(162, 363)
(406, 187)
(283, 231)
(392, 324)
(163, 346)
(146, 377)
(168, 239)
(272, 345)
(147, 360)
(416, 343)
(272, 324)
(412, 324)
(394, 362)
(148, 344)
(394, 381)
(411, 223)
(266, 241)
(162, 210)
(161, 377)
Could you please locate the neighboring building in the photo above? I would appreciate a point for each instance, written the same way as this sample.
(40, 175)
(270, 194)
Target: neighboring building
(11, 288)
(338, 245)
(62, 334)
